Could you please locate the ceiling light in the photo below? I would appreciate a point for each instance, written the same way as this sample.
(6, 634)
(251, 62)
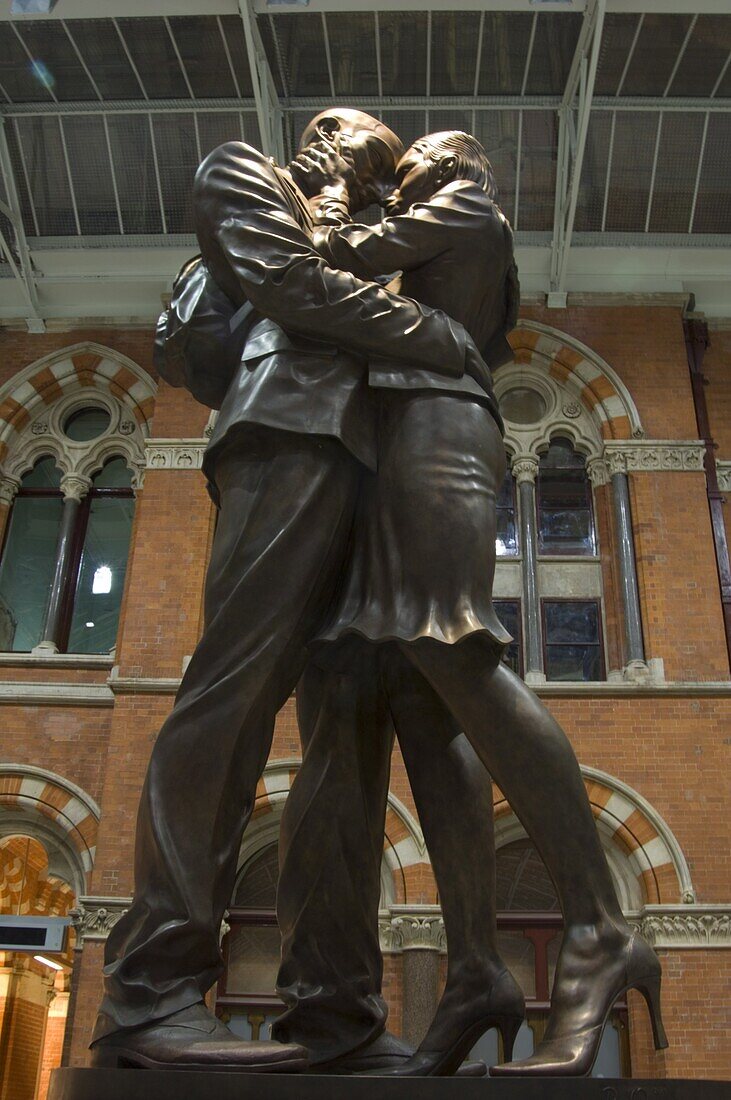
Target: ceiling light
(32, 7)
(288, 3)
(48, 962)
(102, 582)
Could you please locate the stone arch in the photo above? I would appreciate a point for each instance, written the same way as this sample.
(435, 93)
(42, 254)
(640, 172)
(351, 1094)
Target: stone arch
(646, 861)
(35, 402)
(580, 372)
(56, 812)
(403, 845)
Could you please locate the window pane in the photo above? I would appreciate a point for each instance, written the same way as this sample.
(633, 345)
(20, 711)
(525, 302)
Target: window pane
(44, 475)
(258, 886)
(115, 475)
(27, 569)
(101, 577)
(565, 518)
(253, 959)
(85, 424)
(573, 649)
(508, 612)
(506, 539)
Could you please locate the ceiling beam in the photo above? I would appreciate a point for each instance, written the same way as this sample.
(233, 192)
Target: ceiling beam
(574, 114)
(19, 259)
(268, 109)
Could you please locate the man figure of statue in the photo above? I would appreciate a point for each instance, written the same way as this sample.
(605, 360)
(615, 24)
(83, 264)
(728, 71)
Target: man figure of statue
(286, 460)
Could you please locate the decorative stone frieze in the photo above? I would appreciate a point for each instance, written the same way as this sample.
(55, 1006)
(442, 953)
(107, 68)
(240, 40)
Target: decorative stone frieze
(723, 470)
(174, 454)
(624, 456)
(406, 928)
(95, 917)
(685, 926)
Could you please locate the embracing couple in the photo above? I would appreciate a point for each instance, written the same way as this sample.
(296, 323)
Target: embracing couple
(355, 463)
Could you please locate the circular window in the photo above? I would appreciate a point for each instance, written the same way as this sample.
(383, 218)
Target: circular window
(523, 405)
(86, 424)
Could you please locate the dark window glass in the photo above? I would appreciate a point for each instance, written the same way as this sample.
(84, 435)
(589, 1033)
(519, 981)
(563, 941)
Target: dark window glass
(29, 558)
(565, 516)
(508, 612)
(85, 424)
(572, 639)
(103, 562)
(506, 539)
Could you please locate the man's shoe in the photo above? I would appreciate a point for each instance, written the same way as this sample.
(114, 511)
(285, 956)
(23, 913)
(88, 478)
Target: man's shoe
(384, 1054)
(194, 1039)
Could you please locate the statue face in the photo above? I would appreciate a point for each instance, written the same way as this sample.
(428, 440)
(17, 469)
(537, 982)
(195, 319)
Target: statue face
(417, 178)
(367, 144)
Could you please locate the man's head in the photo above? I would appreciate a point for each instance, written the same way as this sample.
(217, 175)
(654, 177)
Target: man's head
(436, 160)
(372, 150)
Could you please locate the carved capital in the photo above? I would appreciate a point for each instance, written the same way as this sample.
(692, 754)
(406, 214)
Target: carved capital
(8, 489)
(95, 917)
(524, 469)
(75, 486)
(723, 469)
(598, 472)
(405, 928)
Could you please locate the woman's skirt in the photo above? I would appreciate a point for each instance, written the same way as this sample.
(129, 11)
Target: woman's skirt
(423, 553)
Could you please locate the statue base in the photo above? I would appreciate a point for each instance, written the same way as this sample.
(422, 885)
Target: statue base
(126, 1084)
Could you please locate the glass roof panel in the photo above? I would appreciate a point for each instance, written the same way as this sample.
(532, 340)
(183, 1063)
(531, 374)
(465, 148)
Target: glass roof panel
(134, 170)
(101, 48)
(403, 52)
(271, 47)
(16, 160)
(409, 125)
(704, 58)
(553, 51)
(677, 167)
(713, 209)
(177, 159)
(352, 39)
(634, 149)
(590, 204)
(233, 29)
(498, 133)
(724, 88)
(537, 170)
(49, 46)
(17, 77)
(454, 38)
(217, 127)
(505, 40)
(202, 50)
(301, 42)
(617, 38)
(153, 53)
(40, 138)
(655, 54)
(91, 173)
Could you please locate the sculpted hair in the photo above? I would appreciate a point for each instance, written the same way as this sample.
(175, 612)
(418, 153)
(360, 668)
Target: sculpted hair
(472, 163)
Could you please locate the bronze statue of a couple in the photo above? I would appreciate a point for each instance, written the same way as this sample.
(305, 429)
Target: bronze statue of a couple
(355, 463)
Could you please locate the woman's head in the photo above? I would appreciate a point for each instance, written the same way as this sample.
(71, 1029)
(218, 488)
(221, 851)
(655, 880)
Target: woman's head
(436, 160)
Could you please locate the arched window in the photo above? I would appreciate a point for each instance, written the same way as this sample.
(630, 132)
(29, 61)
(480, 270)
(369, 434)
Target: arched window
(506, 540)
(565, 514)
(65, 555)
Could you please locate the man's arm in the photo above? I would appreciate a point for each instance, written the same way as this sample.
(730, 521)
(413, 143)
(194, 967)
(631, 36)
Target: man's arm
(257, 252)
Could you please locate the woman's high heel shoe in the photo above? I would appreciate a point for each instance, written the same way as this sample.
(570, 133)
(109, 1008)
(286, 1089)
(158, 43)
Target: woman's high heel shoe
(577, 1020)
(502, 1007)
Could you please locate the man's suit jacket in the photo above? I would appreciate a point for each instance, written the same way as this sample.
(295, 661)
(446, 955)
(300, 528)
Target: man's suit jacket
(456, 254)
(253, 227)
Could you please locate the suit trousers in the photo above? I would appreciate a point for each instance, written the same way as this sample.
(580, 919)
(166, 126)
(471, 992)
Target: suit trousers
(332, 836)
(286, 510)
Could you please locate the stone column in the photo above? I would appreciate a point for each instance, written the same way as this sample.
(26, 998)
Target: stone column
(74, 489)
(525, 471)
(8, 491)
(418, 931)
(635, 663)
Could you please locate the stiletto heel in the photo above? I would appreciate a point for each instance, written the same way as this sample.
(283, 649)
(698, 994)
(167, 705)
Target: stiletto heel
(650, 990)
(576, 1022)
(509, 1028)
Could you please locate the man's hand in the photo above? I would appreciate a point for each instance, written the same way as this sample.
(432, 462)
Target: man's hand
(477, 368)
(323, 166)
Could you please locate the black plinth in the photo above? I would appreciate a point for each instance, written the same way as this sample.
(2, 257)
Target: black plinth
(107, 1084)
